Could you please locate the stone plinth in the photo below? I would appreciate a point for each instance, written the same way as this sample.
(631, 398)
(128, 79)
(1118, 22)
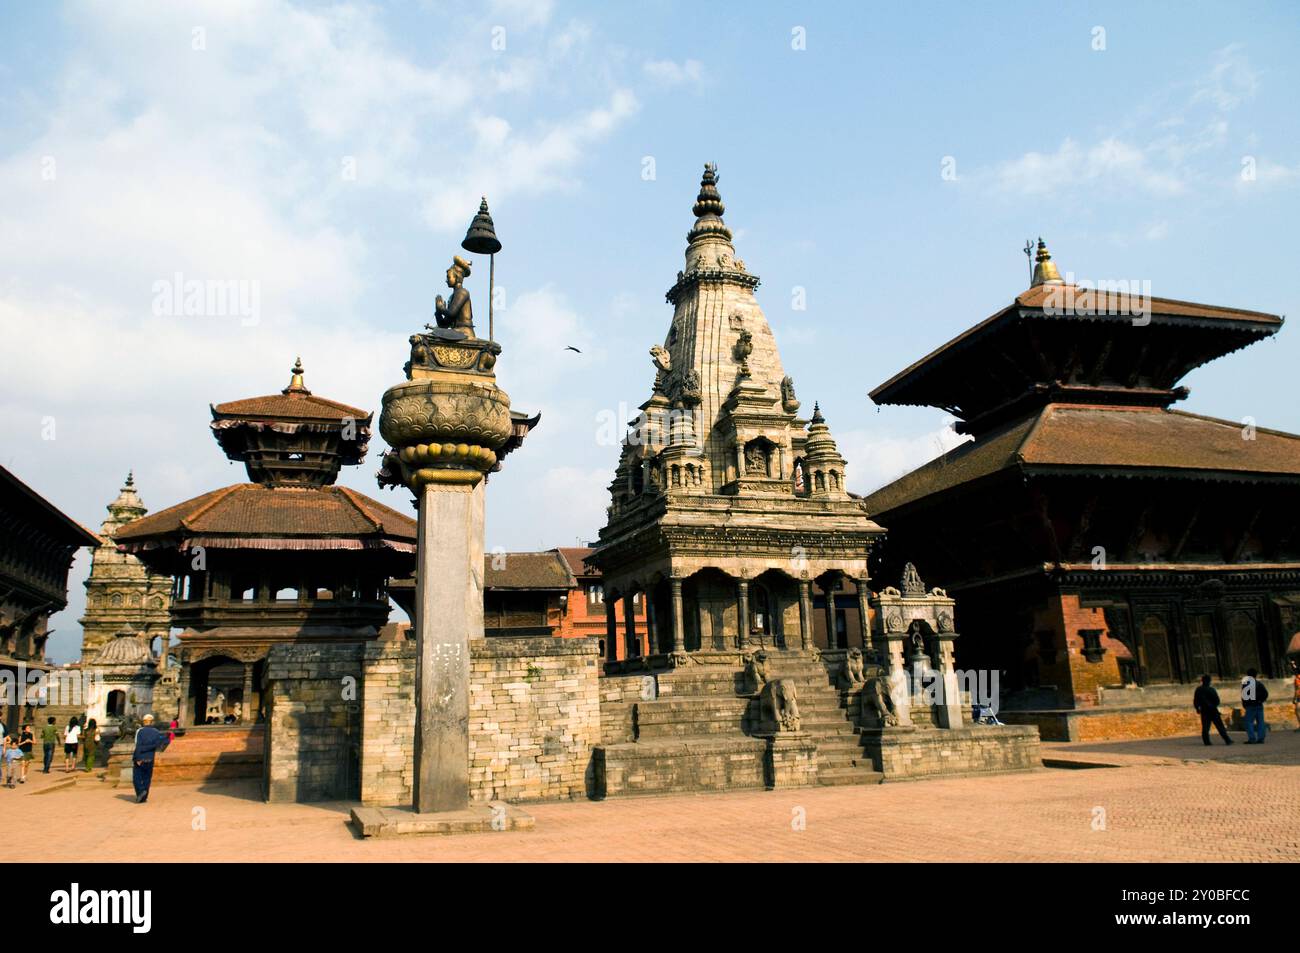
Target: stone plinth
(475, 819)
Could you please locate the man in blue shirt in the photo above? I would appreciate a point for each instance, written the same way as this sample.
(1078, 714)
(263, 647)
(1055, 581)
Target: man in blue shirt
(148, 742)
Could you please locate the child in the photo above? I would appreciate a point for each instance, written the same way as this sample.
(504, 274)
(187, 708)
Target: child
(11, 755)
(25, 741)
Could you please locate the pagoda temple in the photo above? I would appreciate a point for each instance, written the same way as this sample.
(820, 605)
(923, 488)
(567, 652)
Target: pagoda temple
(727, 506)
(1105, 549)
(286, 558)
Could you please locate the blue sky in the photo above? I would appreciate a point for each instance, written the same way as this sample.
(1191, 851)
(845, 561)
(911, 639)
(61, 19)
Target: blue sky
(333, 154)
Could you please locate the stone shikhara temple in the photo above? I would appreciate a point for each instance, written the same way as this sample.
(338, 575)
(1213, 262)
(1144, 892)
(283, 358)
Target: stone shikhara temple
(1105, 549)
(727, 508)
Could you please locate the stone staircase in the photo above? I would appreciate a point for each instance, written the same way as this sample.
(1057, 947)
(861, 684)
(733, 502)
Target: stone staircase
(830, 716)
(700, 732)
(203, 753)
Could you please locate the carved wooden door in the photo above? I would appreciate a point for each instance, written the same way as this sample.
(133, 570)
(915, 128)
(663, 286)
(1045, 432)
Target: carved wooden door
(1201, 655)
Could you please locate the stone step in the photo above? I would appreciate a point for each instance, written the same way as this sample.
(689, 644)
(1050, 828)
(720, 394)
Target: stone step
(864, 774)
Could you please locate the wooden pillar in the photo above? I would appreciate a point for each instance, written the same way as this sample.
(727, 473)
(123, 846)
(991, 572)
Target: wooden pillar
(742, 606)
(805, 615)
(679, 617)
(611, 629)
(629, 627)
(246, 709)
(652, 623)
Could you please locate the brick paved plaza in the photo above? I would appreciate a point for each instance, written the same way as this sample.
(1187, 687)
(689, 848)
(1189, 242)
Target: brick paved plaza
(1171, 800)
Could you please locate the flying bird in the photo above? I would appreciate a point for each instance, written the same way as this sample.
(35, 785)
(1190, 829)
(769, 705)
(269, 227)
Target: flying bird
(573, 349)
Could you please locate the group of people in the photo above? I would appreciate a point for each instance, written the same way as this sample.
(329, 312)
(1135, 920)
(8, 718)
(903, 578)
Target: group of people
(1254, 693)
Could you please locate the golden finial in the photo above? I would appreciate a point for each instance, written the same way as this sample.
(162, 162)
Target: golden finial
(296, 385)
(1045, 272)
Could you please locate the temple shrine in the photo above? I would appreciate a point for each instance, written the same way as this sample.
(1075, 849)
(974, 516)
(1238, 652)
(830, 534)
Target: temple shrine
(728, 512)
(288, 557)
(1106, 549)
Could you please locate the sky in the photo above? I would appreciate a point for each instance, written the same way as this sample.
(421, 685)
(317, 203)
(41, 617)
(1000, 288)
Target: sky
(883, 163)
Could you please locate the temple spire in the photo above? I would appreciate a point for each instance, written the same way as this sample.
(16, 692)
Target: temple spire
(1045, 272)
(296, 385)
(708, 209)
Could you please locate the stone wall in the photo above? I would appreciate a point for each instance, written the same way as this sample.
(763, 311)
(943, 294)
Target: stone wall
(314, 724)
(902, 755)
(534, 719)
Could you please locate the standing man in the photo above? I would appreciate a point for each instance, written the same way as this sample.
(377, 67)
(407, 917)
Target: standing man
(1253, 695)
(49, 740)
(148, 742)
(1206, 702)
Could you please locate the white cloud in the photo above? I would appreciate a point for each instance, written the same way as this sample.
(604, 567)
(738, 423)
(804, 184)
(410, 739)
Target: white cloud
(875, 459)
(1230, 81)
(671, 73)
(1109, 164)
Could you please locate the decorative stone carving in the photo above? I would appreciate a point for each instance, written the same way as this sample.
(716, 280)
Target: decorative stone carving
(894, 621)
(443, 430)
(789, 402)
(744, 347)
(755, 671)
(689, 391)
(779, 705)
(945, 618)
(662, 359)
(851, 676)
(911, 583)
(877, 695)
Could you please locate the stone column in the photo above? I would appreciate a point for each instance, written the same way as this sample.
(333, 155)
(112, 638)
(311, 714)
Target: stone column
(805, 615)
(742, 606)
(246, 710)
(864, 617)
(950, 705)
(611, 629)
(449, 592)
(679, 616)
(183, 715)
(900, 687)
(829, 583)
(629, 627)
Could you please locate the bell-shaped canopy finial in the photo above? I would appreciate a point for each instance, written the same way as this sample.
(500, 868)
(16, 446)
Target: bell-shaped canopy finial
(1045, 272)
(481, 239)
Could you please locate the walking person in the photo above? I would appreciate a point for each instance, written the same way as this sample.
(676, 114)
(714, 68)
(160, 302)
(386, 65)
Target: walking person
(1206, 702)
(148, 742)
(25, 741)
(1253, 695)
(71, 738)
(49, 741)
(90, 743)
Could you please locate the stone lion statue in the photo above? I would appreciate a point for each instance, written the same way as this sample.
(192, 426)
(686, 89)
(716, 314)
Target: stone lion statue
(779, 705)
(755, 671)
(851, 675)
(877, 694)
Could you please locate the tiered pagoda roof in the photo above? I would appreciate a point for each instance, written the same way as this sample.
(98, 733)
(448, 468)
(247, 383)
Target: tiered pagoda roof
(1057, 342)
(293, 444)
(1070, 379)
